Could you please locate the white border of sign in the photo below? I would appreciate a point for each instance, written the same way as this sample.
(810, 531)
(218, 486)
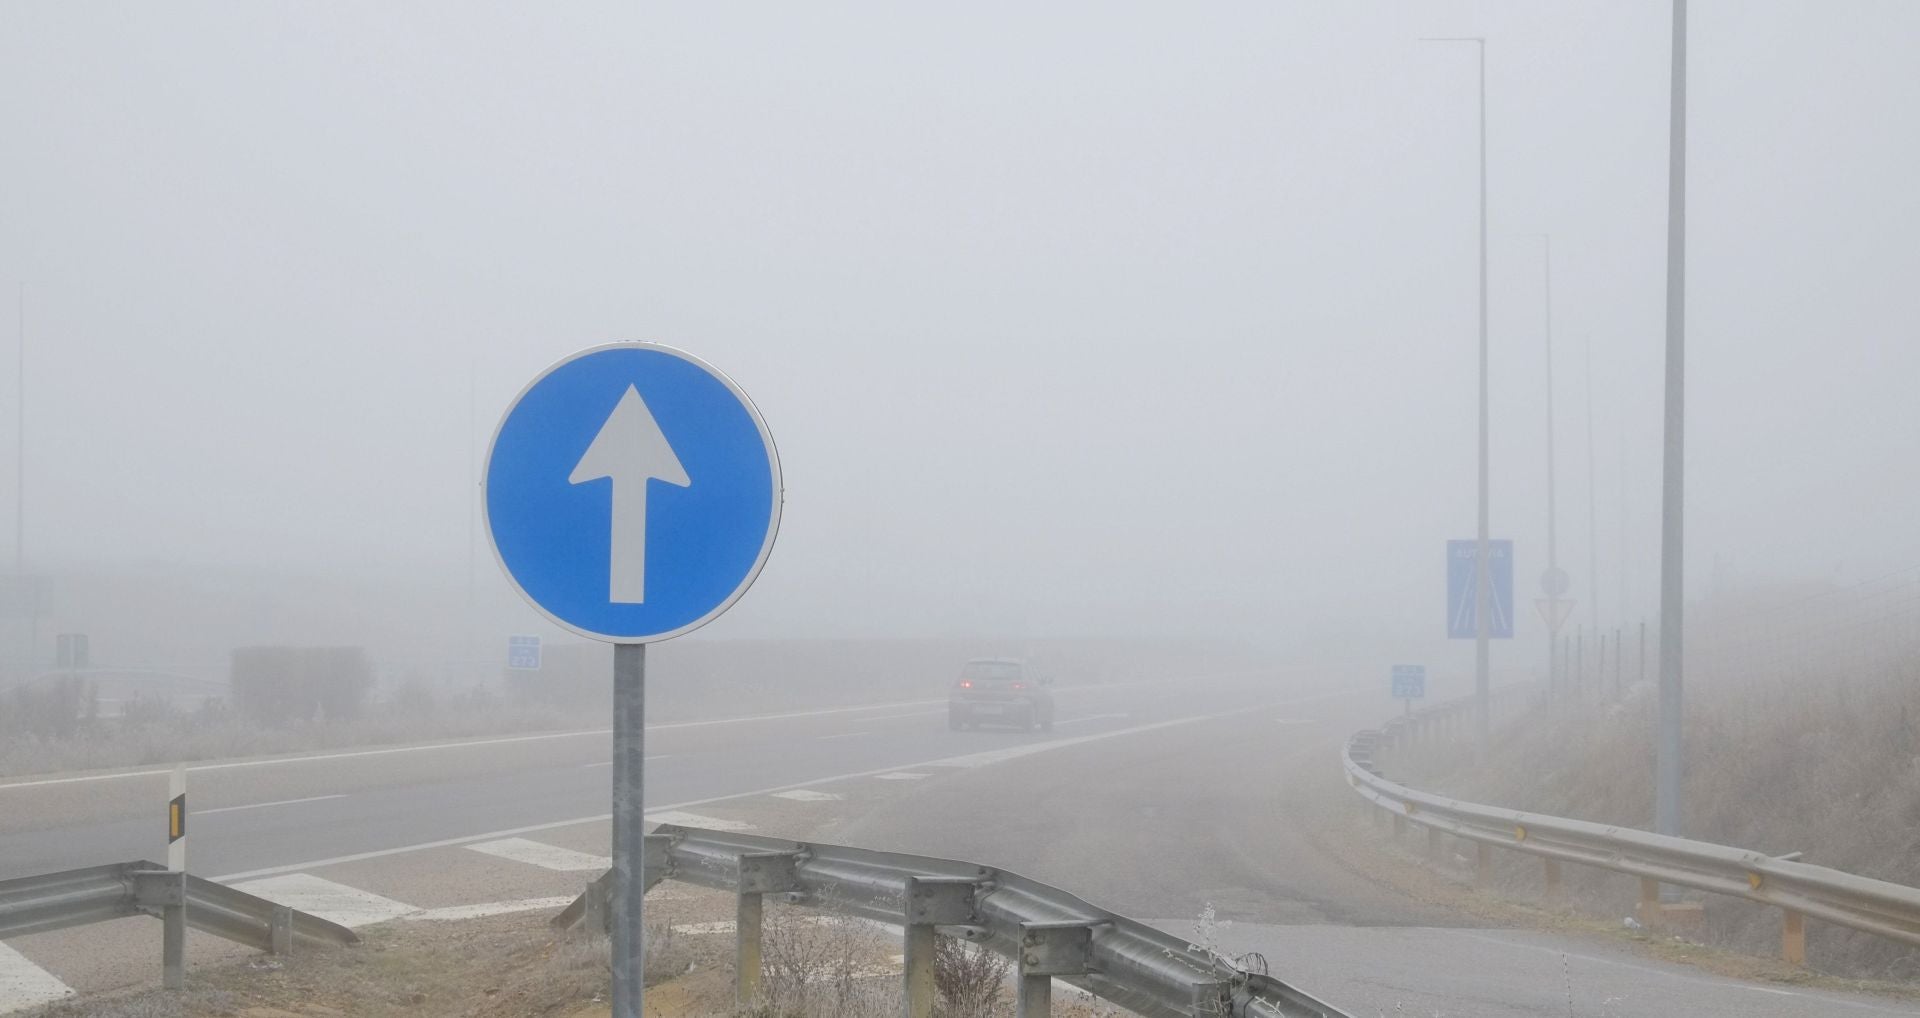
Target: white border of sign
(773, 463)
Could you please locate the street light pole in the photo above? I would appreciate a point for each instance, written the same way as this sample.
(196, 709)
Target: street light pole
(1483, 571)
(1593, 504)
(1666, 809)
(1553, 551)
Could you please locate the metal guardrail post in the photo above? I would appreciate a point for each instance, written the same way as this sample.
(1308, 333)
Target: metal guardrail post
(1048, 950)
(1552, 892)
(165, 892)
(1399, 826)
(1649, 901)
(761, 873)
(1793, 938)
(931, 902)
(1482, 864)
(1434, 853)
(596, 915)
(280, 930)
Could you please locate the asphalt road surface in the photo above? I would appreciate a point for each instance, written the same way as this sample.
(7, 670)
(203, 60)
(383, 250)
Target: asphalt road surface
(1156, 800)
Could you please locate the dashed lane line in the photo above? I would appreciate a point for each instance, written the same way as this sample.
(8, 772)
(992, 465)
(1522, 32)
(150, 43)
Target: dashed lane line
(348, 906)
(808, 795)
(680, 819)
(264, 805)
(969, 761)
(545, 856)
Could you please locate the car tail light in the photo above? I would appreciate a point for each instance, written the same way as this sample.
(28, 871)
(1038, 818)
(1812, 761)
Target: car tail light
(1019, 685)
(966, 684)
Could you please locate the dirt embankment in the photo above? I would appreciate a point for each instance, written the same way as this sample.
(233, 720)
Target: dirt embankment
(1801, 734)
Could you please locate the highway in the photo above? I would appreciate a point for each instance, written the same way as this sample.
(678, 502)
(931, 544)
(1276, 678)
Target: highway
(1155, 800)
(265, 814)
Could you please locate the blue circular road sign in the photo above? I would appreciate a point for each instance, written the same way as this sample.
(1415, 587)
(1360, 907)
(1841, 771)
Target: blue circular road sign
(632, 492)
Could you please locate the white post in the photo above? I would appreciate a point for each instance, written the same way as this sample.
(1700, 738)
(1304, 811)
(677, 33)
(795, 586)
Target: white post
(177, 819)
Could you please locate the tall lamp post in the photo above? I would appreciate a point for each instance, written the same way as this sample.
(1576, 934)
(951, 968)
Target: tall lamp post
(1483, 572)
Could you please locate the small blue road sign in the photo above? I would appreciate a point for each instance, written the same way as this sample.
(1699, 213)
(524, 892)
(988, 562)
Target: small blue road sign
(523, 653)
(1461, 578)
(1409, 682)
(632, 493)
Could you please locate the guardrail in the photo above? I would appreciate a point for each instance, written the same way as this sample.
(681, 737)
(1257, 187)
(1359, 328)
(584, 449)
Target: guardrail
(56, 901)
(1799, 889)
(1048, 933)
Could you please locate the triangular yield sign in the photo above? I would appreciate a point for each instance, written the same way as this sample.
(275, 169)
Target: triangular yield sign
(1554, 610)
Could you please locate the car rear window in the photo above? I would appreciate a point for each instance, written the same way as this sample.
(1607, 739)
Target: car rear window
(991, 671)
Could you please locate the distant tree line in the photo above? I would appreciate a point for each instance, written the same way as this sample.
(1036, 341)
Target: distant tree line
(299, 685)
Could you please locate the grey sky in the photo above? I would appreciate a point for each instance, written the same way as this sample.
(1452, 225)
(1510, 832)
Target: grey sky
(1066, 317)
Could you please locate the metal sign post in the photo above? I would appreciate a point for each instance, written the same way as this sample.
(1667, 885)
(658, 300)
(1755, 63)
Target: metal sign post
(632, 494)
(1409, 684)
(629, 824)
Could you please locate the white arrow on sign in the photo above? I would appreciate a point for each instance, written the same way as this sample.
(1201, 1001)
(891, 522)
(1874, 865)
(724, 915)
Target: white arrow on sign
(631, 450)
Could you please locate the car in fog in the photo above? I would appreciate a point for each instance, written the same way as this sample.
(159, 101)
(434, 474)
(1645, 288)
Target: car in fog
(999, 691)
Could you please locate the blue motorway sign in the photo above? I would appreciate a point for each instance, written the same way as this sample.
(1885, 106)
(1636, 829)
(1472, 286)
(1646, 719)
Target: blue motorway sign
(632, 493)
(1409, 682)
(523, 653)
(1461, 580)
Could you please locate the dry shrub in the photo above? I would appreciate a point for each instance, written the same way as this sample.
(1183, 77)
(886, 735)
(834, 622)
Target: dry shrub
(1802, 729)
(972, 981)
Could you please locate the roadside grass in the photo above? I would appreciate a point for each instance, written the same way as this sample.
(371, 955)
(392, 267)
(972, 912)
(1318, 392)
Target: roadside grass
(1797, 740)
(815, 966)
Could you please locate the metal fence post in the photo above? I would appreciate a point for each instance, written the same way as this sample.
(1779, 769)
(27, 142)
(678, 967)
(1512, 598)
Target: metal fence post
(1793, 938)
(931, 902)
(164, 893)
(1048, 950)
(280, 930)
(173, 947)
(597, 914)
(750, 908)
(1649, 901)
(760, 873)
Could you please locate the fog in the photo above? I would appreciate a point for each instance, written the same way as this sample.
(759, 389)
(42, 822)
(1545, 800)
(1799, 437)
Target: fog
(1083, 319)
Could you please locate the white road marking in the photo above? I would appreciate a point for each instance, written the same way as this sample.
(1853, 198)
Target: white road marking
(550, 825)
(679, 819)
(550, 857)
(994, 756)
(1294, 721)
(24, 984)
(808, 795)
(437, 746)
(348, 906)
(1090, 717)
(543, 736)
(609, 763)
(481, 911)
(909, 714)
(264, 805)
(844, 735)
(901, 776)
(1683, 976)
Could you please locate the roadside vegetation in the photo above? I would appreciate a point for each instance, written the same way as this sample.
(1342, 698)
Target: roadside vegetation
(814, 966)
(1802, 734)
